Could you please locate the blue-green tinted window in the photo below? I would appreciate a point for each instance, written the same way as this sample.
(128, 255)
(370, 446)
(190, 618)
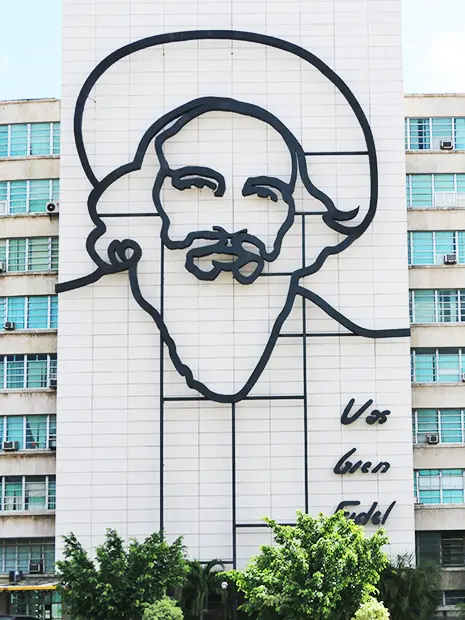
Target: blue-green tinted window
(437, 365)
(3, 140)
(15, 311)
(32, 432)
(420, 188)
(40, 139)
(15, 430)
(459, 133)
(38, 312)
(18, 140)
(13, 494)
(428, 133)
(34, 312)
(26, 139)
(420, 134)
(18, 197)
(439, 486)
(431, 248)
(16, 553)
(28, 196)
(56, 138)
(30, 254)
(26, 371)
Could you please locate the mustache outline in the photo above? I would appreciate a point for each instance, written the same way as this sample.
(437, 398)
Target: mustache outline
(229, 244)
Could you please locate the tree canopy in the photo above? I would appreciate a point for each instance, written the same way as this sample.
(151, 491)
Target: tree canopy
(123, 579)
(322, 567)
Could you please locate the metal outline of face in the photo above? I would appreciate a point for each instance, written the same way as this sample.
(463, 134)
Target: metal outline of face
(125, 255)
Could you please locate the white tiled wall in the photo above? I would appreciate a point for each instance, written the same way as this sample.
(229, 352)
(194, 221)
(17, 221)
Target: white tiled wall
(108, 464)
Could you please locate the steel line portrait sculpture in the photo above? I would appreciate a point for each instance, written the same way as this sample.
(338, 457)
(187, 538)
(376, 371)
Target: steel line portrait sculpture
(210, 251)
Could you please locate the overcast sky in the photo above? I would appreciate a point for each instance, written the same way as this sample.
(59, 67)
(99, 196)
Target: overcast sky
(433, 30)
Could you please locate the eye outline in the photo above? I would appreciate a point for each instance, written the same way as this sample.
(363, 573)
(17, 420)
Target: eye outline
(261, 187)
(198, 176)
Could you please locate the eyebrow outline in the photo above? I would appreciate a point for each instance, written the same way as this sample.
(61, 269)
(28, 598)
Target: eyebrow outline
(254, 183)
(198, 171)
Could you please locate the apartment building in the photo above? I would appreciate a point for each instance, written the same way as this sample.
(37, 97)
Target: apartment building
(435, 143)
(29, 204)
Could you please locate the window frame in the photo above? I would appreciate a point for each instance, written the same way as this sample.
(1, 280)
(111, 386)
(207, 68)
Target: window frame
(441, 489)
(436, 308)
(51, 361)
(51, 268)
(456, 243)
(440, 412)
(54, 127)
(4, 316)
(431, 133)
(436, 365)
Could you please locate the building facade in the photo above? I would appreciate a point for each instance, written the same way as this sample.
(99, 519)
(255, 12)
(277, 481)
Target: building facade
(233, 328)
(29, 187)
(435, 142)
(164, 420)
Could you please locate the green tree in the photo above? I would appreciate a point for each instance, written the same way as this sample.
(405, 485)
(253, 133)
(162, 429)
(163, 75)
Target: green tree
(164, 609)
(123, 579)
(410, 592)
(322, 568)
(202, 582)
(372, 610)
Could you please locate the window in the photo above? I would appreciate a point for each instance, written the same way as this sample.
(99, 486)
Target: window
(437, 365)
(435, 190)
(27, 371)
(430, 248)
(26, 139)
(29, 254)
(31, 432)
(437, 306)
(28, 493)
(35, 312)
(426, 134)
(447, 424)
(444, 548)
(16, 553)
(439, 486)
(452, 597)
(27, 196)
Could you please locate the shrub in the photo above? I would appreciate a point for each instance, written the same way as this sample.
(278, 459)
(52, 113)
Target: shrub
(164, 609)
(372, 610)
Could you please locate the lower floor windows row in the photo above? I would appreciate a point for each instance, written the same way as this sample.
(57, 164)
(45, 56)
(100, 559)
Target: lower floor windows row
(19, 553)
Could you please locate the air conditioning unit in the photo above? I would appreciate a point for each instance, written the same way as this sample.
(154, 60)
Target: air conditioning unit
(2, 267)
(446, 145)
(462, 377)
(36, 568)
(52, 382)
(432, 438)
(10, 446)
(450, 259)
(52, 207)
(3, 207)
(10, 326)
(416, 500)
(445, 199)
(52, 442)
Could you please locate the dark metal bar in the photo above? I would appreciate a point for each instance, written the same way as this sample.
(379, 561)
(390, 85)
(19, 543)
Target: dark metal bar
(304, 368)
(162, 390)
(343, 153)
(244, 525)
(311, 212)
(316, 334)
(276, 273)
(233, 482)
(183, 399)
(154, 214)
